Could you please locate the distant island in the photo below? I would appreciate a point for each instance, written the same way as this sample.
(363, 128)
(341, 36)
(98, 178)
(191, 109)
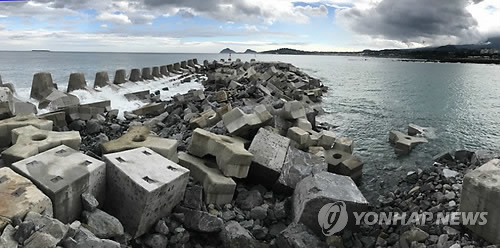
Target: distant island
(40, 50)
(250, 51)
(227, 50)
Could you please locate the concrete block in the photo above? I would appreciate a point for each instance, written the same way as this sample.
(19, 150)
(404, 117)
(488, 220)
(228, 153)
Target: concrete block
(155, 108)
(139, 193)
(29, 141)
(20, 196)
(58, 118)
(297, 166)
(76, 82)
(5, 111)
(64, 174)
(87, 111)
(241, 124)
(120, 77)
(7, 125)
(415, 129)
(57, 100)
(41, 86)
(304, 124)
(192, 95)
(101, 79)
(313, 192)
(232, 158)
(301, 137)
(138, 136)
(5, 94)
(135, 75)
(221, 96)
(317, 150)
(138, 95)
(345, 164)
(269, 151)
(217, 188)
(164, 70)
(403, 143)
(207, 119)
(335, 158)
(21, 107)
(327, 139)
(146, 73)
(171, 69)
(156, 72)
(293, 110)
(344, 144)
(481, 193)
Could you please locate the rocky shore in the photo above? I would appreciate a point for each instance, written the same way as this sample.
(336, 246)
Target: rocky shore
(241, 163)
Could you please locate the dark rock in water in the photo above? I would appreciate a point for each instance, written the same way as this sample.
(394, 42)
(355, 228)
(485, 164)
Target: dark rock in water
(77, 125)
(156, 241)
(463, 156)
(233, 235)
(298, 235)
(89, 202)
(443, 157)
(203, 222)
(193, 197)
(24, 231)
(102, 224)
(247, 200)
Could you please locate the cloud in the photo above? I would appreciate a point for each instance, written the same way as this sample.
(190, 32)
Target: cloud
(313, 11)
(414, 21)
(114, 18)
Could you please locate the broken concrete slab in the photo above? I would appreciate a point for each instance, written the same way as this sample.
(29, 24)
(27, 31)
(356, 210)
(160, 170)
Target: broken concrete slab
(76, 82)
(57, 100)
(404, 143)
(217, 188)
(120, 77)
(297, 166)
(232, 158)
(414, 129)
(269, 151)
(20, 196)
(138, 95)
(144, 193)
(241, 124)
(64, 174)
(7, 125)
(41, 85)
(139, 136)
(344, 144)
(481, 193)
(29, 141)
(135, 75)
(101, 79)
(315, 191)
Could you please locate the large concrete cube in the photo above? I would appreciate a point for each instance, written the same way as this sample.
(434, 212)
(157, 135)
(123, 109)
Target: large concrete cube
(481, 193)
(7, 125)
(269, 151)
(313, 192)
(217, 188)
(20, 196)
(138, 136)
(232, 157)
(29, 141)
(142, 187)
(64, 174)
(241, 124)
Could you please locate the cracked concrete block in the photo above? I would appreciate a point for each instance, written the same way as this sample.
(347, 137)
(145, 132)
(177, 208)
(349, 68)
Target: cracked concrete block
(135, 75)
(415, 129)
(232, 158)
(269, 151)
(344, 144)
(481, 193)
(41, 85)
(101, 79)
(297, 166)
(120, 76)
(146, 73)
(293, 110)
(76, 82)
(403, 143)
(7, 125)
(241, 124)
(301, 137)
(313, 192)
(20, 196)
(139, 194)
(29, 141)
(139, 136)
(64, 174)
(217, 188)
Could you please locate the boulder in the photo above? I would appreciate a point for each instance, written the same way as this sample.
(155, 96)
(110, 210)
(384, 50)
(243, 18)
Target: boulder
(76, 82)
(7, 238)
(241, 124)
(40, 239)
(233, 235)
(203, 222)
(103, 225)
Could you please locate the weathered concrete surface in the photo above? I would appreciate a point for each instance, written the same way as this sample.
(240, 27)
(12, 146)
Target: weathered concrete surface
(138, 95)
(20, 196)
(7, 125)
(146, 73)
(297, 166)
(481, 193)
(101, 79)
(344, 144)
(350, 166)
(415, 129)
(327, 139)
(57, 100)
(241, 124)
(301, 138)
(335, 158)
(155, 108)
(58, 119)
(87, 111)
(139, 195)
(120, 76)
(41, 86)
(404, 143)
(232, 158)
(5, 94)
(269, 151)
(313, 192)
(76, 82)
(29, 141)
(217, 188)
(135, 75)
(139, 136)
(192, 95)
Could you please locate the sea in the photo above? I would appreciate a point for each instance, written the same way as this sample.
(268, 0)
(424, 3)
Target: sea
(367, 98)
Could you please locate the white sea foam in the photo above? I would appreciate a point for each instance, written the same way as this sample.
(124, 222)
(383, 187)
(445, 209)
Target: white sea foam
(117, 98)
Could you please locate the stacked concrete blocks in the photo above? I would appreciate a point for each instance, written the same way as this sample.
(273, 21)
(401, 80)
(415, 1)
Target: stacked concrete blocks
(241, 124)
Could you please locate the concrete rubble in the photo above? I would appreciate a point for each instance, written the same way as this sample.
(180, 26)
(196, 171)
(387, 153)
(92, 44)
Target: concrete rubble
(403, 143)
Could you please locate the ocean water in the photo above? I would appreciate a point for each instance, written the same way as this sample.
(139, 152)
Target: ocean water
(368, 97)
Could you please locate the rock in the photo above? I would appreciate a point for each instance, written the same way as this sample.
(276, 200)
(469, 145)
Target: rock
(93, 127)
(298, 236)
(89, 202)
(77, 125)
(247, 200)
(156, 241)
(193, 197)
(44, 224)
(447, 173)
(233, 235)
(97, 243)
(413, 235)
(443, 158)
(161, 227)
(24, 231)
(258, 213)
(40, 240)
(7, 239)
(203, 222)
(102, 224)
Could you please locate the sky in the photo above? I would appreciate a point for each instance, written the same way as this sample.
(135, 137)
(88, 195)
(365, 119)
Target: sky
(208, 26)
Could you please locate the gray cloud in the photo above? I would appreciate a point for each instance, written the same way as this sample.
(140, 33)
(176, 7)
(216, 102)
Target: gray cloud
(432, 21)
